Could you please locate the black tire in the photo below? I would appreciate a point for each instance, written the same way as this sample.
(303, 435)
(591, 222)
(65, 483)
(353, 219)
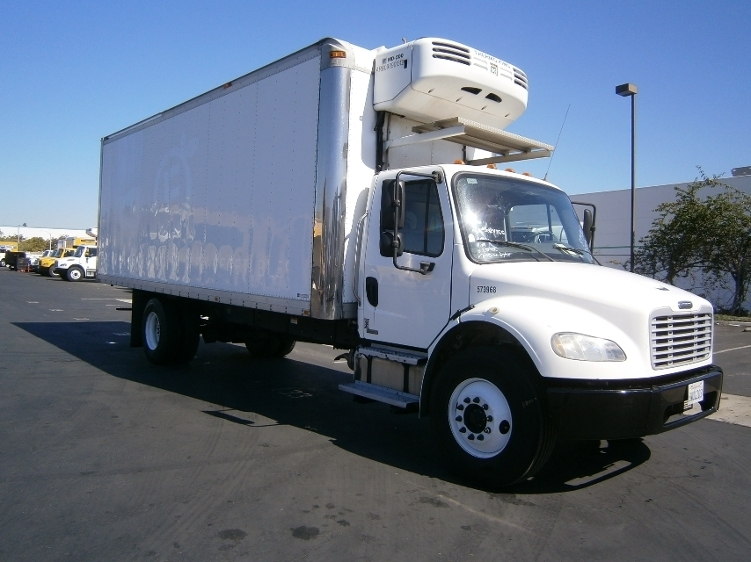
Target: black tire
(267, 344)
(160, 330)
(190, 335)
(488, 417)
(74, 274)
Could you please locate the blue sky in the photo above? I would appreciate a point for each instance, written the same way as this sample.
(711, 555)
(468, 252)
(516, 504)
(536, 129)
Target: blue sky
(72, 72)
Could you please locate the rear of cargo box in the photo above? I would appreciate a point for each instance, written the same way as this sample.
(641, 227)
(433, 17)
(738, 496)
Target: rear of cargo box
(239, 195)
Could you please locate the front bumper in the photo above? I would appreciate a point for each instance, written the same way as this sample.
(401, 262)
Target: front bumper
(633, 408)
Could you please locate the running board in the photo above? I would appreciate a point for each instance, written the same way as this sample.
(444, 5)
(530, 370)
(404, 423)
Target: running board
(380, 394)
(402, 357)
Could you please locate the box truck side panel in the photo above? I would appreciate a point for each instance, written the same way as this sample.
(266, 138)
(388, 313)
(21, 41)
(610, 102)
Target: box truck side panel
(219, 196)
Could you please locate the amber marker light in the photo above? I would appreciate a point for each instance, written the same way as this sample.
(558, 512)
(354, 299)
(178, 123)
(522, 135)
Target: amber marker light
(338, 54)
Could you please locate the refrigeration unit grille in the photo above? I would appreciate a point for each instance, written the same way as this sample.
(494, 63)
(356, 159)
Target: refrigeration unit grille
(449, 52)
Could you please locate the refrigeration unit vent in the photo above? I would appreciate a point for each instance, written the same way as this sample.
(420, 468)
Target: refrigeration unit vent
(449, 52)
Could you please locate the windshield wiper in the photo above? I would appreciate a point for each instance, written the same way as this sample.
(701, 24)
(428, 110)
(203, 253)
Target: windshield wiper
(578, 251)
(515, 245)
(565, 248)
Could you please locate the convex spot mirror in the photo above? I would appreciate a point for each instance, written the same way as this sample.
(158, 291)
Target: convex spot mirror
(387, 244)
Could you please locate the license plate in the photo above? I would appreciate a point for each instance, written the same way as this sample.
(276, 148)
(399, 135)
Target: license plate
(695, 393)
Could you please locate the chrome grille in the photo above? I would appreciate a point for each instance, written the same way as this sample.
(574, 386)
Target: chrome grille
(680, 339)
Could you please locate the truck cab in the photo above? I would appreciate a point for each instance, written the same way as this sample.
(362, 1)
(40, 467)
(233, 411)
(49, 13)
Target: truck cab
(46, 263)
(467, 269)
(81, 265)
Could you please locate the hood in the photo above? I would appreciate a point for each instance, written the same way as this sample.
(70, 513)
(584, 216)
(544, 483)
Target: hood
(533, 301)
(591, 286)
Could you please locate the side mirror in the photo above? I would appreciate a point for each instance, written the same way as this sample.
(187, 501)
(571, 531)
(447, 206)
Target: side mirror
(589, 228)
(588, 224)
(400, 203)
(393, 205)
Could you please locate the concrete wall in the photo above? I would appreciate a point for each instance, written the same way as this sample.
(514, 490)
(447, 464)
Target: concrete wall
(612, 237)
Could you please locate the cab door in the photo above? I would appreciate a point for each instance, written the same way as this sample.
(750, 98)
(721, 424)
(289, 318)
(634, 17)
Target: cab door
(402, 305)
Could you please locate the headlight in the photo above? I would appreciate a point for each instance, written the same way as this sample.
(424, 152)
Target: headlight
(586, 348)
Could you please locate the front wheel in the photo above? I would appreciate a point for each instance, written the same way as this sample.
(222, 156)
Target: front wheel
(487, 416)
(74, 274)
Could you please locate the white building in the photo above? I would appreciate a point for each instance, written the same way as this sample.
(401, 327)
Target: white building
(613, 233)
(25, 232)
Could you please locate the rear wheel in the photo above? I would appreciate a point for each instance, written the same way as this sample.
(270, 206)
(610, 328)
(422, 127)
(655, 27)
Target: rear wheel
(160, 332)
(170, 333)
(74, 274)
(487, 416)
(267, 344)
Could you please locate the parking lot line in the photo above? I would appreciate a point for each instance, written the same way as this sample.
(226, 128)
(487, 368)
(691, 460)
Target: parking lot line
(732, 349)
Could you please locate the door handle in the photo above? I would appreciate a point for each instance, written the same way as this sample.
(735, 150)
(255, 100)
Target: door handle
(371, 290)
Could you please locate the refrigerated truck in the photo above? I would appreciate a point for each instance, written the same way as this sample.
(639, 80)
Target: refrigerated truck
(352, 197)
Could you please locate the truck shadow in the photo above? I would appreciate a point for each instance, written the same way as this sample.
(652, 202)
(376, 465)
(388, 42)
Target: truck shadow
(297, 392)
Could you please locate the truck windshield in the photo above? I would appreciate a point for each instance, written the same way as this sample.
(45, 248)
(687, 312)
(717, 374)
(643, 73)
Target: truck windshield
(507, 219)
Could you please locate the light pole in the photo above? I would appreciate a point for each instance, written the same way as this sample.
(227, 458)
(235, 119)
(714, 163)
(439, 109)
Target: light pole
(629, 90)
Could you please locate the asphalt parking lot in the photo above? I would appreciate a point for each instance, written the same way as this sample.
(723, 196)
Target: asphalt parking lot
(106, 457)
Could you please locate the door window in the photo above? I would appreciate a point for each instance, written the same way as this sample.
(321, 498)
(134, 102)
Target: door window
(423, 231)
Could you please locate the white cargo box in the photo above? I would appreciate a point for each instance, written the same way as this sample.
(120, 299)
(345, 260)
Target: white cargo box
(434, 79)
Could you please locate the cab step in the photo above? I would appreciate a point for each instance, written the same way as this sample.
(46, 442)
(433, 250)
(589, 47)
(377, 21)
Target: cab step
(381, 394)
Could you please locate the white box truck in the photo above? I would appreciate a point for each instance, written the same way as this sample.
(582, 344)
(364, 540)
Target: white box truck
(349, 197)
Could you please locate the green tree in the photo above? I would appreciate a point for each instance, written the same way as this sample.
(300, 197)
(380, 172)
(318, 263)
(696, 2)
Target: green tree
(34, 244)
(709, 235)
(728, 248)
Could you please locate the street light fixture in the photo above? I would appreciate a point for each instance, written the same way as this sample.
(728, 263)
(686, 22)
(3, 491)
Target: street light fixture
(629, 90)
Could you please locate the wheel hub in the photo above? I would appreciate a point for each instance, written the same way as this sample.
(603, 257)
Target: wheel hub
(153, 331)
(480, 418)
(475, 419)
